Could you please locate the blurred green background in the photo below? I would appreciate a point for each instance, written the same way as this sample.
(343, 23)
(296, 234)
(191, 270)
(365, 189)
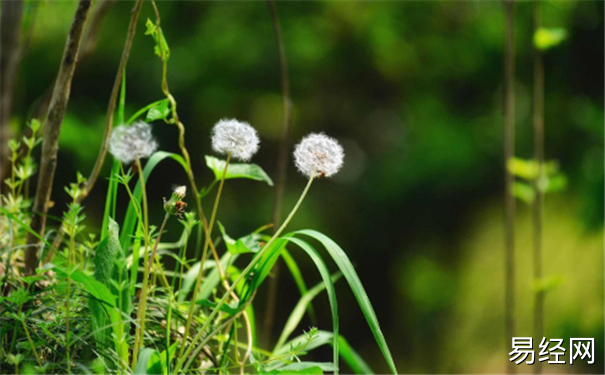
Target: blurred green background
(413, 89)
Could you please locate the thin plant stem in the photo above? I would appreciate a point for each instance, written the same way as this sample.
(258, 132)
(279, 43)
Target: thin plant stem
(29, 338)
(243, 274)
(538, 202)
(509, 152)
(282, 163)
(141, 310)
(198, 281)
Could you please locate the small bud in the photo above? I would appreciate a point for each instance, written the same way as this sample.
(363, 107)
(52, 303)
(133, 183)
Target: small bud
(176, 206)
(319, 154)
(235, 137)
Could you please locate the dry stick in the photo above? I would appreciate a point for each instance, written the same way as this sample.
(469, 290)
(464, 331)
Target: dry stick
(539, 200)
(509, 152)
(94, 174)
(10, 53)
(282, 164)
(52, 129)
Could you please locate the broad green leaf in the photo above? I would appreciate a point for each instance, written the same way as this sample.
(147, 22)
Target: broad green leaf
(237, 170)
(246, 244)
(545, 38)
(524, 191)
(159, 111)
(345, 266)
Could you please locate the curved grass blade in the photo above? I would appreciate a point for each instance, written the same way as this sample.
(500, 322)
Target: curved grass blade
(300, 282)
(346, 267)
(299, 311)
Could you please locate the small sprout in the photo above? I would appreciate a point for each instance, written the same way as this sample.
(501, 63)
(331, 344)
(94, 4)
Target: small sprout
(317, 153)
(127, 143)
(235, 137)
(175, 205)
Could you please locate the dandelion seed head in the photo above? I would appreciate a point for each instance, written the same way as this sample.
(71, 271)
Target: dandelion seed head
(317, 153)
(235, 137)
(129, 142)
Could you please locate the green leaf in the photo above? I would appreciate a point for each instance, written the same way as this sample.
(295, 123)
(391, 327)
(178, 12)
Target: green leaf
(159, 111)
(299, 310)
(526, 169)
(161, 48)
(345, 266)
(229, 309)
(545, 38)
(352, 358)
(149, 362)
(237, 170)
(305, 368)
(90, 284)
(556, 183)
(246, 244)
(524, 192)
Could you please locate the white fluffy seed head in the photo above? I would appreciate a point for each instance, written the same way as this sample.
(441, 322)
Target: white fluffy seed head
(129, 142)
(317, 153)
(235, 137)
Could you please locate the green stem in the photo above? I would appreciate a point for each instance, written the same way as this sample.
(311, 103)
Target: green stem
(198, 282)
(243, 274)
(140, 313)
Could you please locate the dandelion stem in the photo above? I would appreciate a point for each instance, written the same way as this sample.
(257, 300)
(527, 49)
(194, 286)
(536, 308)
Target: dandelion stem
(141, 310)
(243, 274)
(198, 282)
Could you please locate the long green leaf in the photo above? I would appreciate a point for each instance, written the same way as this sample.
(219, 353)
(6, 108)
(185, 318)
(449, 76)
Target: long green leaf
(149, 362)
(346, 267)
(299, 311)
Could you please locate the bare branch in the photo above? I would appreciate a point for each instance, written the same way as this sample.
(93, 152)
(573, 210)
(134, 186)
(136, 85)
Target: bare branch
(52, 129)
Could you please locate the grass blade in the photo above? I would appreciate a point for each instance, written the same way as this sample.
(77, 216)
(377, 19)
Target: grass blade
(346, 267)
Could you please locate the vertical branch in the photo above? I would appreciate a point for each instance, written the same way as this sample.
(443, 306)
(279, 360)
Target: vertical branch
(94, 174)
(282, 163)
(539, 158)
(52, 129)
(10, 52)
(509, 152)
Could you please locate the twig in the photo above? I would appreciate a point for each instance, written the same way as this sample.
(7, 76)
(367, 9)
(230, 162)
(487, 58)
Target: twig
(509, 152)
(52, 129)
(539, 200)
(282, 164)
(94, 174)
